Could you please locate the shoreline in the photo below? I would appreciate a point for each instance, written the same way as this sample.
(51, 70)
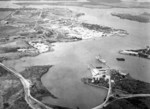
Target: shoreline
(38, 37)
(138, 53)
(141, 18)
(29, 77)
(90, 84)
(120, 87)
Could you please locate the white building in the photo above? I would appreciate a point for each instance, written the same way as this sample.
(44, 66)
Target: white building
(97, 74)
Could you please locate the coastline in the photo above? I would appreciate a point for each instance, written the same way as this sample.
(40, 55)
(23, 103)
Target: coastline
(38, 91)
(142, 18)
(90, 84)
(33, 39)
(138, 53)
(129, 88)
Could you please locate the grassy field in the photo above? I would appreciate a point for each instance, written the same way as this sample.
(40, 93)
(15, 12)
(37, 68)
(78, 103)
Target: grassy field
(4, 14)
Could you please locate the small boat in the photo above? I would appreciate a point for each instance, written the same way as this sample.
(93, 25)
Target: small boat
(100, 59)
(99, 67)
(120, 59)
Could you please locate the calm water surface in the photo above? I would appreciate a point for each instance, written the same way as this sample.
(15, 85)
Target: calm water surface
(70, 60)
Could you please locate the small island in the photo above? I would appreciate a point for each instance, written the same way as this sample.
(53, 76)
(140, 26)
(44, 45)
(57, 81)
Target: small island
(143, 18)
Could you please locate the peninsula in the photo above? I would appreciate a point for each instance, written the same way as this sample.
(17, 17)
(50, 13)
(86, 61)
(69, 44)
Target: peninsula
(122, 89)
(143, 17)
(24, 90)
(143, 53)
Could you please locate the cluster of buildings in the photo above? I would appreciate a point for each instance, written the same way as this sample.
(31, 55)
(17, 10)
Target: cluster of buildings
(41, 47)
(37, 48)
(73, 29)
(85, 33)
(79, 32)
(98, 74)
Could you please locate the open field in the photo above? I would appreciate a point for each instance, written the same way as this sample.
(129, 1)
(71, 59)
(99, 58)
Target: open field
(4, 14)
(12, 94)
(130, 103)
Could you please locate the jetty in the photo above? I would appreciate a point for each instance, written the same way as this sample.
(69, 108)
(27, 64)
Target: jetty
(144, 53)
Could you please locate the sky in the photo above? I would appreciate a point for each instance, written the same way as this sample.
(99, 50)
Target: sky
(92, 0)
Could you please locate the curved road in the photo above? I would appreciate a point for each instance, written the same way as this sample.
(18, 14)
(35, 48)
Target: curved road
(33, 103)
(123, 96)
